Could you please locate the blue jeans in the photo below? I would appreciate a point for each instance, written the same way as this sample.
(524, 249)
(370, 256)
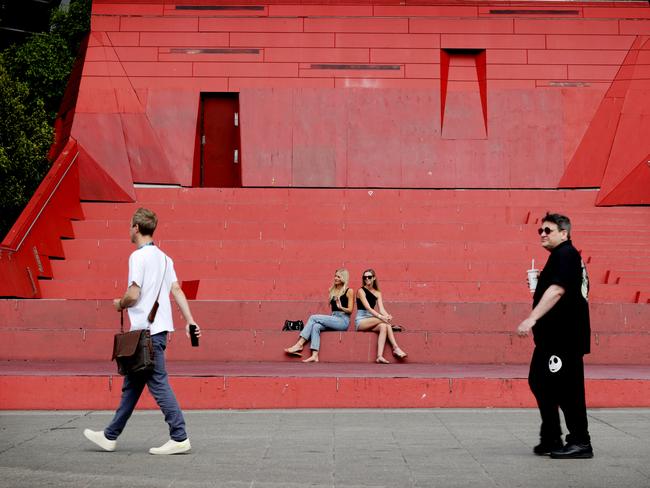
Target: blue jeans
(318, 323)
(159, 388)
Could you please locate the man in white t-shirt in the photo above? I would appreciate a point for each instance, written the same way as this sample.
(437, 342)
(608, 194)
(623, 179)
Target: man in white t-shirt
(151, 277)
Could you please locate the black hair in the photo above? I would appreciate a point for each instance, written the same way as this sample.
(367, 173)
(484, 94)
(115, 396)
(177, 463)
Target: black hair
(562, 221)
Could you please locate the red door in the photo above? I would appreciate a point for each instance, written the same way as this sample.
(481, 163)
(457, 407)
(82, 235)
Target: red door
(220, 151)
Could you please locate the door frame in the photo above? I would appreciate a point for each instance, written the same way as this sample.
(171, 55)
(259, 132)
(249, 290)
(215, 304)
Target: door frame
(201, 134)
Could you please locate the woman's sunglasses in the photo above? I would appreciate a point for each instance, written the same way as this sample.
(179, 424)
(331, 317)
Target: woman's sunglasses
(368, 277)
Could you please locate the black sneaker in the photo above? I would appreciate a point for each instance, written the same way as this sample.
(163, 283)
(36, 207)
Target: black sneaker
(573, 451)
(544, 448)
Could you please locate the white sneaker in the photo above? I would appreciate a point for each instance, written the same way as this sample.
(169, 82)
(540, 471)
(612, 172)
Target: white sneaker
(100, 439)
(172, 447)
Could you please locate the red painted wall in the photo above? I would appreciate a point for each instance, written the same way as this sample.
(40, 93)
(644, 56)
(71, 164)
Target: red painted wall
(393, 138)
(359, 95)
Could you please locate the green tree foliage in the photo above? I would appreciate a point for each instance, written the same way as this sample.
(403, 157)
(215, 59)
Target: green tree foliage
(25, 137)
(72, 24)
(44, 63)
(33, 79)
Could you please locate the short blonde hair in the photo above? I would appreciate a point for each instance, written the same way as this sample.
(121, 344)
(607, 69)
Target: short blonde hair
(146, 221)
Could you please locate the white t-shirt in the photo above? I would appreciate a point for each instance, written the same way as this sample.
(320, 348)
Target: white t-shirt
(146, 266)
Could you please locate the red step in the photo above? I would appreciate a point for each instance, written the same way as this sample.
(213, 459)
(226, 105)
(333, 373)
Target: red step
(299, 230)
(311, 289)
(306, 249)
(210, 385)
(442, 271)
(341, 212)
(267, 345)
(405, 271)
(630, 277)
(564, 198)
(270, 315)
(349, 231)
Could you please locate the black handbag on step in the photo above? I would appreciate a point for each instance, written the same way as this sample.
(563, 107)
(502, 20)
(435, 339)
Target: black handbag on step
(293, 325)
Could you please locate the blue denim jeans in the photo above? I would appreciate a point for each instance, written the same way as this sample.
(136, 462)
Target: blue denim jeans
(318, 323)
(159, 388)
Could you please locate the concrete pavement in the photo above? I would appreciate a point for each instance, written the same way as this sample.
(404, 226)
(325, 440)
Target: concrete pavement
(322, 448)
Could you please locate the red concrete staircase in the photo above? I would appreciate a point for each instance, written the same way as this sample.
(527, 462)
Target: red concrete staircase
(451, 264)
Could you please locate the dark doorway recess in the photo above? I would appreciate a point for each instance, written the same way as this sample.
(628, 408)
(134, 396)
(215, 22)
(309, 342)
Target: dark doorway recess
(220, 162)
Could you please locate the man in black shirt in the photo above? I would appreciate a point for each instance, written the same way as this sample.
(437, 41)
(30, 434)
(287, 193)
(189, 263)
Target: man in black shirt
(560, 324)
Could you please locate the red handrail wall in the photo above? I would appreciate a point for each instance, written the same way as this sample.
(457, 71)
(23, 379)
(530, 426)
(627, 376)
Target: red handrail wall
(36, 236)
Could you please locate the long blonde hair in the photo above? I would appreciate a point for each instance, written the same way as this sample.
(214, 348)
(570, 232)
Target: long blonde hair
(345, 278)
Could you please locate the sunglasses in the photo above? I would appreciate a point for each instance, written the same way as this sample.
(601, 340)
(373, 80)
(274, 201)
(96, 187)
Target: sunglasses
(545, 230)
(368, 277)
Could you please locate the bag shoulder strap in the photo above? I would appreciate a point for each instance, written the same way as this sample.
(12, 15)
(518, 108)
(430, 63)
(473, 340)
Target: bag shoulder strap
(154, 308)
(162, 281)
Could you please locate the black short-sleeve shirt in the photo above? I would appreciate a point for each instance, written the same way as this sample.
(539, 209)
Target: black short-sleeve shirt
(566, 327)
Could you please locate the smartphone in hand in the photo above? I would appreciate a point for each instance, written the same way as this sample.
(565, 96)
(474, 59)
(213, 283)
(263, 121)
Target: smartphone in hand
(193, 336)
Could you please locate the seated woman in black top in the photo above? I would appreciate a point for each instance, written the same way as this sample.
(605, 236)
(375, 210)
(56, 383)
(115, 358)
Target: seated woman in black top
(341, 303)
(369, 320)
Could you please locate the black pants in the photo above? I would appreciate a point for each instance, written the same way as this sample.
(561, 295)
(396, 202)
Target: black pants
(565, 389)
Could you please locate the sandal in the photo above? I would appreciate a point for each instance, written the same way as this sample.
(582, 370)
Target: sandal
(381, 360)
(399, 354)
(296, 353)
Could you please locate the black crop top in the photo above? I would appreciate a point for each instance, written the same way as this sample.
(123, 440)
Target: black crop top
(372, 300)
(344, 302)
